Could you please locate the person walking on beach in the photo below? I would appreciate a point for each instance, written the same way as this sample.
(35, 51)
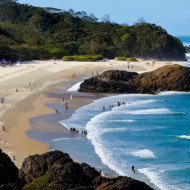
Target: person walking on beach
(3, 128)
(4, 140)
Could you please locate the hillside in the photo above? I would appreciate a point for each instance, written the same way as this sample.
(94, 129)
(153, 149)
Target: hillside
(169, 78)
(28, 32)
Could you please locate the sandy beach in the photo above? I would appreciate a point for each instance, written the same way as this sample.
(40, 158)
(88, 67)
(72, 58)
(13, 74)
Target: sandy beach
(24, 91)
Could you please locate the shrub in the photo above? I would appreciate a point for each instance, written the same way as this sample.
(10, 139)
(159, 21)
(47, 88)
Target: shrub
(120, 58)
(83, 58)
(126, 59)
(38, 183)
(132, 59)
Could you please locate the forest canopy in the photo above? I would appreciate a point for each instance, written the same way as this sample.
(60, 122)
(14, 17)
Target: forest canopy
(28, 32)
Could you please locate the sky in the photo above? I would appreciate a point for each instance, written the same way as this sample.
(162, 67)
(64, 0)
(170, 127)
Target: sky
(172, 15)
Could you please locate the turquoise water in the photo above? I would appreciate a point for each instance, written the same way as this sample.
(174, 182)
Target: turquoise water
(151, 132)
(185, 40)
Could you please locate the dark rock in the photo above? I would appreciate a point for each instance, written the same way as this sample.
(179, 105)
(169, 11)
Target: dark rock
(111, 81)
(8, 173)
(56, 170)
(169, 78)
(60, 166)
(123, 183)
(187, 48)
(66, 174)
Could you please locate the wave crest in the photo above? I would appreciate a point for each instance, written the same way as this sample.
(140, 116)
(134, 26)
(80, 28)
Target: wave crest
(184, 137)
(145, 153)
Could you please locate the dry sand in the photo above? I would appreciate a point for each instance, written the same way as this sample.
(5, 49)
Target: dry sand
(31, 80)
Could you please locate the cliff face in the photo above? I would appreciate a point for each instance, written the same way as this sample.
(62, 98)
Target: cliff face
(56, 170)
(169, 78)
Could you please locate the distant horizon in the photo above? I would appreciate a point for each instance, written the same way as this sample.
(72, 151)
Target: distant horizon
(171, 15)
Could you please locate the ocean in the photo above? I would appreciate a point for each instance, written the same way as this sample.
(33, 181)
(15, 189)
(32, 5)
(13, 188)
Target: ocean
(185, 40)
(151, 132)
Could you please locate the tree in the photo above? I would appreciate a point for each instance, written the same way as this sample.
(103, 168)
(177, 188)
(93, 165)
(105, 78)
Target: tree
(7, 2)
(140, 21)
(105, 18)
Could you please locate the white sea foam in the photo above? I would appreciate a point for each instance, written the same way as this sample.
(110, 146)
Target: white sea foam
(113, 129)
(166, 93)
(61, 139)
(145, 153)
(64, 124)
(94, 135)
(154, 178)
(140, 72)
(186, 44)
(75, 87)
(159, 111)
(184, 137)
(123, 121)
(137, 103)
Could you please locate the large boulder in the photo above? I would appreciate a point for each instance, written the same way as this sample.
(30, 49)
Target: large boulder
(113, 81)
(123, 183)
(60, 165)
(169, 78)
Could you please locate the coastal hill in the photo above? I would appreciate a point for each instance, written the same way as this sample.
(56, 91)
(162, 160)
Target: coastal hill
(28, 32)
(56, 170)
(169, 78)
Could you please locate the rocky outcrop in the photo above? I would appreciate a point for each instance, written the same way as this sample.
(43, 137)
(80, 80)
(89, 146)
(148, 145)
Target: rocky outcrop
(113, 81)
(169, 78)
(56, 170)
(187, 49)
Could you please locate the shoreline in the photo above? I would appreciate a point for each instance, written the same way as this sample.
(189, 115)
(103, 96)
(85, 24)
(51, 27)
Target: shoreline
(30, 102)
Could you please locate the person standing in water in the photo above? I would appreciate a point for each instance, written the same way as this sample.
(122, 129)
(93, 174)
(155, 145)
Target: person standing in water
(133, 169)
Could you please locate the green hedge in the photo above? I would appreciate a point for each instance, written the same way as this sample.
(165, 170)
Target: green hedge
(132, 59)
(120, 58)
(83, 58)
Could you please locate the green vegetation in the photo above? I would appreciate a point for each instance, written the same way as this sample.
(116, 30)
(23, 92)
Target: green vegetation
(83, 58)
(120, 58)
(39, 183)
(28, 32)
(131, 59)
